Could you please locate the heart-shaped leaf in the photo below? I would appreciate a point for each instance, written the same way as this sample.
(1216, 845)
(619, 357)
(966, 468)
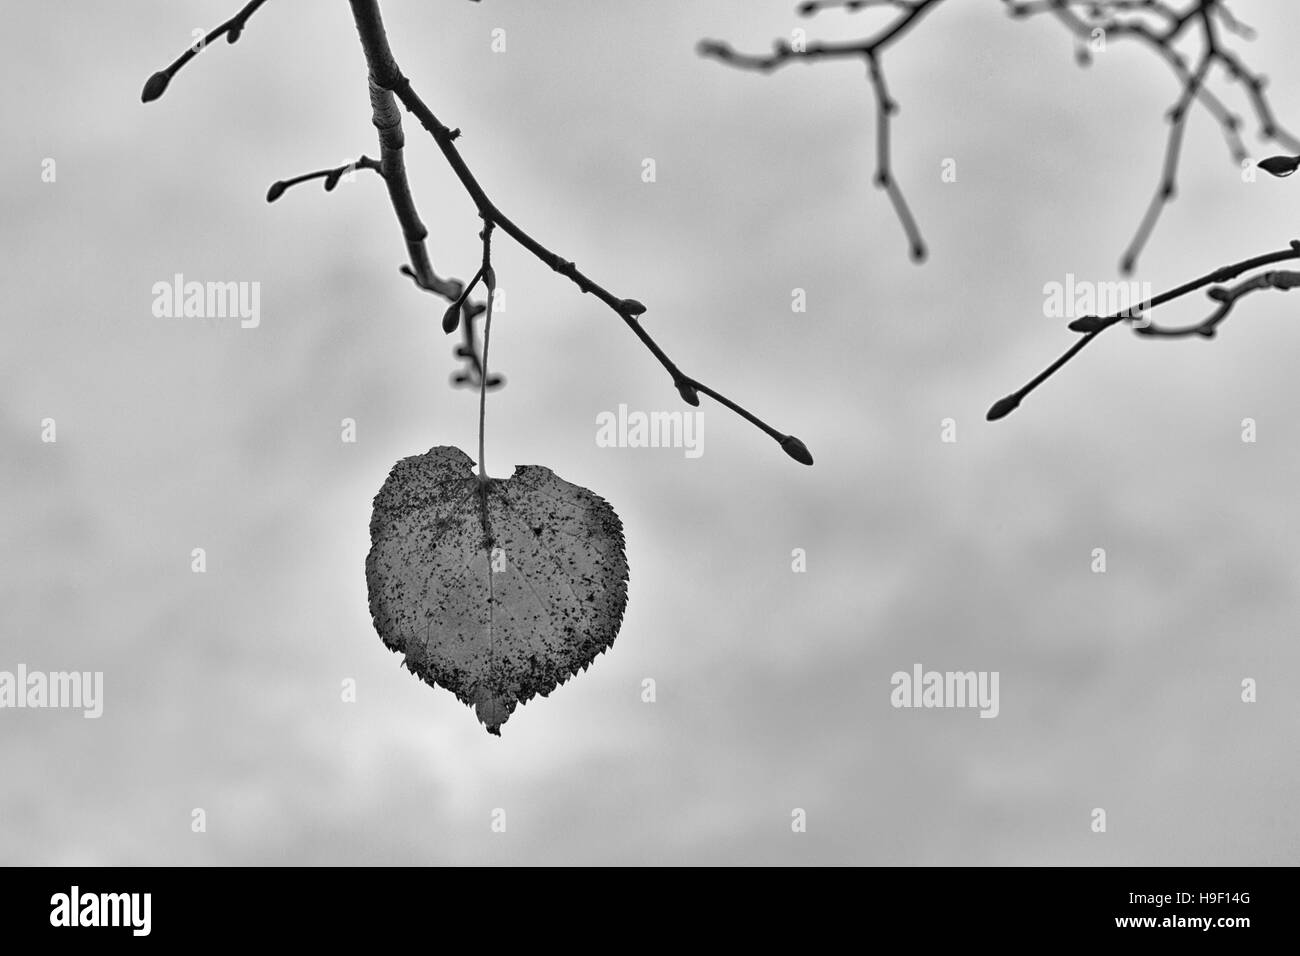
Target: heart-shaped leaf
(498, 590)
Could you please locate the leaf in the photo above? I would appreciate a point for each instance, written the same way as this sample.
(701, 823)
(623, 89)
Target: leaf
(494, 618)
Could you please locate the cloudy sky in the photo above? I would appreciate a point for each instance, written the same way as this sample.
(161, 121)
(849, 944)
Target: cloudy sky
(222, 691)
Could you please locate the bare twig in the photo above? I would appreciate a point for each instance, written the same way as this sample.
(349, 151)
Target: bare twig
(870, 51)
(1202, 13)
(1093, 326)
(386, 75)
(389, 88)
(1159, 24)
(232, 29)
(1161, 27)
(1227, 297)
(1168, 185)
(387, 119)
(331, 177)
(886, 107)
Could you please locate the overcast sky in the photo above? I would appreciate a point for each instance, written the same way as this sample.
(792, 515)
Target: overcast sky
(222, 690)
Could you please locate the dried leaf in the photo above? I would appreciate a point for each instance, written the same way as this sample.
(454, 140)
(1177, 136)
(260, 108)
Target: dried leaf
(501, 616)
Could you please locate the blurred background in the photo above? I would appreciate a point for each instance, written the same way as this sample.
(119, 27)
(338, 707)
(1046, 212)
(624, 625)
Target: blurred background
(222, 690)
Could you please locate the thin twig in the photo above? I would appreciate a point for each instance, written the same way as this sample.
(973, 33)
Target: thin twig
(1093, 326)
(869, 50)
(232, 29)
(1227, 296)
(331, 177)
(886, 107)
(1168, 184)
(387, 119)
(1125, 19)
(1158, 24)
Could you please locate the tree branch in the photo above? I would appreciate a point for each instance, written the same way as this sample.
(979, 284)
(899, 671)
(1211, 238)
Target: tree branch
(1227, 297)
(388, 88)
(331, 177)
(869, 50)
(1131, 19)
(387, 119)
(232, 29)
(1158, 24)
(1092, 326)
(388, 78)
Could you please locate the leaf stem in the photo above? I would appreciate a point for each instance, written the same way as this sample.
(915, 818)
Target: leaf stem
(490, 283)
